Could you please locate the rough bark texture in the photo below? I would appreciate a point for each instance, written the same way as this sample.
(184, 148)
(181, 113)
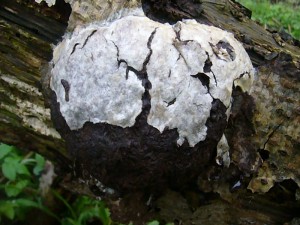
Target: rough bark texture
(263, 130)
(27, 32)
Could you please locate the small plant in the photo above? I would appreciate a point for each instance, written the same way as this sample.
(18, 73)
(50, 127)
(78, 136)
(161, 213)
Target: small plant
(21, 192)
(18, 182)
(83, 210)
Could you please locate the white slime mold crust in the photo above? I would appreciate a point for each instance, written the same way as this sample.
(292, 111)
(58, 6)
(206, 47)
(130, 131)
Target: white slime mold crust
(94, 62)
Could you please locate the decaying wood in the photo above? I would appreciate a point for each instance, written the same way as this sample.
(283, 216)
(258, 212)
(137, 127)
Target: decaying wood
(27, 33)
(264, 140)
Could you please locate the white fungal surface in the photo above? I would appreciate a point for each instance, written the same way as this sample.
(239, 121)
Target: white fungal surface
(49, 2)
(96, 74)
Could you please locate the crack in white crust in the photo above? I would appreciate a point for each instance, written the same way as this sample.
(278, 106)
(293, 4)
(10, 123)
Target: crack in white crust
(100, 91)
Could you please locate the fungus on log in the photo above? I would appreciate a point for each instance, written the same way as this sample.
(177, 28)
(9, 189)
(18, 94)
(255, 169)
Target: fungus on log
(262, 131)
(143, 104)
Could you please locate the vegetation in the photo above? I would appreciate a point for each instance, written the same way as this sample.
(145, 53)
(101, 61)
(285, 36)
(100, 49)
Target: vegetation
(18, 187)
(279, 15)
(22, 191)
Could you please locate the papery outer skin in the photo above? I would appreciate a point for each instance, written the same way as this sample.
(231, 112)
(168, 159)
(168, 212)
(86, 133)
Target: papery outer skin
(95, 58)
(49, 2)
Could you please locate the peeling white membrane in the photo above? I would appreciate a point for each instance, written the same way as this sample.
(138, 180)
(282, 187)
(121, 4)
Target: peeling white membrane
(90, 78)
(49, 2)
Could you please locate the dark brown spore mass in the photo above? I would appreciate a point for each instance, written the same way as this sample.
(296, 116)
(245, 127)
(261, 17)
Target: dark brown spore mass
(140, 157)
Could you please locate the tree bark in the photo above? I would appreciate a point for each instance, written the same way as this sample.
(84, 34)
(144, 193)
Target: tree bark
(27, 32)
(263, 139)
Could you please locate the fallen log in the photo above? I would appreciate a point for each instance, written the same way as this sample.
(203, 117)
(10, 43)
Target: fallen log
(262, 131)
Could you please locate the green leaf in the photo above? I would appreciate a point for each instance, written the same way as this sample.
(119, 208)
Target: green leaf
(9, 168)
(22, 202)
(85, 215)
(155, 222)
(7, 209)
(22, 169)
(104, 215)
(65, 202)
(14, 189)
(4, 150)
(68, 221)
(40, 164)
(94, 212)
